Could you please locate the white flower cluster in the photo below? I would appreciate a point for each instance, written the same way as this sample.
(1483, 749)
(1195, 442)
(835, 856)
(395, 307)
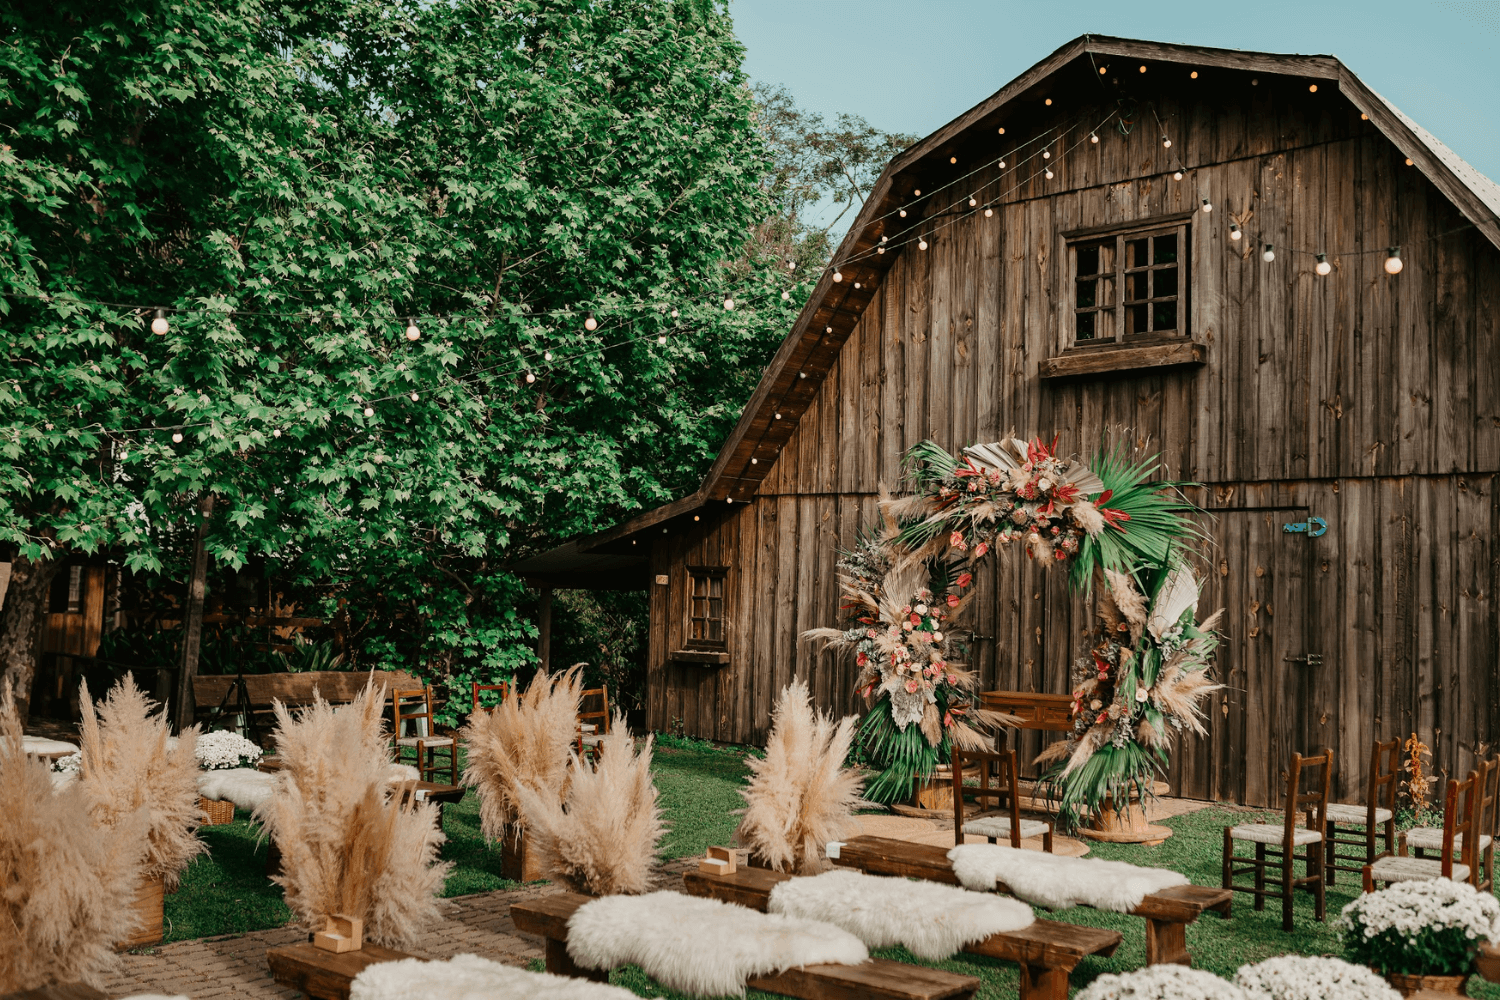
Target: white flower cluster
(1412, 907)
(222, 750)
(1163, 982)
(1301, 977)
(68, 764)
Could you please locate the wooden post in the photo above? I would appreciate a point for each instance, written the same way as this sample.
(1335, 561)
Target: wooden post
(544, 626)
(192, 622)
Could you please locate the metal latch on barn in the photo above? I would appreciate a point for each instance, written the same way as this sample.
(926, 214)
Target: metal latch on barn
(1311, 659)
(1312, 527)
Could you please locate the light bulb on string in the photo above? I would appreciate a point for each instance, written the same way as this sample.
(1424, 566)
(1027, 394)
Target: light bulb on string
(1177, 175)
(412, 333)
(1207, 207)
(988, 212)
(1234, 231)
(728, 305)
(973, 201)
(661, 338)
(922, 243)
(530, 377)
(591, 324)
(1393, 263)
(785, 296)
(276, 432)
(675, 314)
(177, 437)
(880, 249)
(159, 325)
(546, 355)
(1001, 164)
(903, 213)
(1166, 143)
(1094, 138)
(1323, 267)
(369, 411)
(1269, 254)
(414, 397)
(838, 276)
(1046, 154)
(1049, 173)
(917, 192)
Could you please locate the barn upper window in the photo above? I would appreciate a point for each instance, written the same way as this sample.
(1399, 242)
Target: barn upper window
(1129, 283)
(706, 607)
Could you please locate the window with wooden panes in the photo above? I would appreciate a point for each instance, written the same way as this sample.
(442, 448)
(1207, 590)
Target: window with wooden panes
(1129, 285)
(706, 607)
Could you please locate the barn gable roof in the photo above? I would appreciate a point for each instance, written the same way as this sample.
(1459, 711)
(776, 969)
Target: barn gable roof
(793, 377)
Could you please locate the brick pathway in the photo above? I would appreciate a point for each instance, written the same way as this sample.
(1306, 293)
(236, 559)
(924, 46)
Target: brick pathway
(235, 966)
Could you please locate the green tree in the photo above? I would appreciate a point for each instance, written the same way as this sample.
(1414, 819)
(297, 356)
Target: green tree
(561, 194)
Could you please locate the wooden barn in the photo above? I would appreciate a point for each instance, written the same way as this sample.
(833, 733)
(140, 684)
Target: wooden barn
(1183, 245)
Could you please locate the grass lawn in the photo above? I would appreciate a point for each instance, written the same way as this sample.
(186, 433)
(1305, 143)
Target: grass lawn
(227, 892)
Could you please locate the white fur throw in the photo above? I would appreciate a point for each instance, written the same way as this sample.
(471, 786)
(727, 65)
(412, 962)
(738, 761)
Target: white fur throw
(1058, 882)
(155, 996)
(469, 977)
(701, 947)
(931, 920)
(246, 787)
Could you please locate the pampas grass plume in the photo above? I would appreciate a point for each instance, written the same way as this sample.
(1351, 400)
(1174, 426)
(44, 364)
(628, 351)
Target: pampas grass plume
(799, 796)
(126, 766)
(523, 743)
(602, 839)
(347, 844)
(64, 882)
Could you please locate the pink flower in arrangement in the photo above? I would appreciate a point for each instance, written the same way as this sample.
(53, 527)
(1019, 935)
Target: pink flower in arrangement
(952, 678)
(937, 637)
(861, 659)
(921, 637)
(870, 633)
(1102, 716)
(912, 686)
(964, 579)
(952, 600)
(947, 719)
(908, 625)
(973, 487)
(981, 549)
(957, 540)
(906, 610)
(1060, 554)
(865, 691)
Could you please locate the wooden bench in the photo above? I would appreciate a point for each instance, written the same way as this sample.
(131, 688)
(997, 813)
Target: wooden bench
(1167, 912)
(877, 979)
(324, 975)
(1047, 951)
(292, 690)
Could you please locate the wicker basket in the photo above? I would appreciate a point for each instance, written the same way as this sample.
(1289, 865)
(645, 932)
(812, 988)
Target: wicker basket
(1412, 985)
(147, 907)
(216, 812)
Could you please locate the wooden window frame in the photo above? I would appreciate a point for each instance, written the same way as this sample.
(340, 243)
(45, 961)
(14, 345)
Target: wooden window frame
(1115, 240)
(709, 573)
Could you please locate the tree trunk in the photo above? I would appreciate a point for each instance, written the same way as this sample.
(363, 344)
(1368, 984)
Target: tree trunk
(21, 621)
(192, 623)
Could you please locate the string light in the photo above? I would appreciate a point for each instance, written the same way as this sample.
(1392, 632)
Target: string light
(1269, 254)
(917, 192)
(369, 411)
(1166, 143)
(728, 304)
(1234, 231)
(591, 324)
(903, 213)
(922, 243)
(988, 212)
(1313, 89)
(546, 355)
(785, 296)
(675, 314)
(1002, 129)
(159, 323)
(1049, 102)
(661, 338)
(1002, 164)
(1094, 138)
(276, 432)
(1046, 154)
(1323, 267)
(415, 397)
(778, 416)
(412, 333)
(1049, 173)
(838, 276)
(973, 201)
(177, 437)
(856, 284)
(530, 377)
(1207, 207)
(1177, 175)
(1193, 75)
(1393, 263)
(952, 159)
(1143, 68)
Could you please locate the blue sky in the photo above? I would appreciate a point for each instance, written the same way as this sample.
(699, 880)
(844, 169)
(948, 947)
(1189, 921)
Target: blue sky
(912, 66)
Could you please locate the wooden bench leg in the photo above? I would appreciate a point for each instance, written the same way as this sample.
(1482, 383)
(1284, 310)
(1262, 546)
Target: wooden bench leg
(560, 963)
(1043, 982)
(1166, 942)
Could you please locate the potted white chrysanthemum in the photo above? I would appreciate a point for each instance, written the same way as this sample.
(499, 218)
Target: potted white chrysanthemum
(1304, 977)
(1420, 935)
(222, 750)
(1163, 982)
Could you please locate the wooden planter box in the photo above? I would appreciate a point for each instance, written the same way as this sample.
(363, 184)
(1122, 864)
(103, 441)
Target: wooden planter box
(216, 812)
(147, 907)
(515, 863)
(1409, 986)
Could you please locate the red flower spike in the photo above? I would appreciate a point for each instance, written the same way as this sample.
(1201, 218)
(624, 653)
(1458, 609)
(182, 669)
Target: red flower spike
(1114, 517)
(1104, 497)
(952, 600)
(964, 579)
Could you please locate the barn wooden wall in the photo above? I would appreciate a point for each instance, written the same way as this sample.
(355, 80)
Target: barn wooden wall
(1370, 401)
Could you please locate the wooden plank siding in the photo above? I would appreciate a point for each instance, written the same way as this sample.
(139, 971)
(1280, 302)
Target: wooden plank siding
(1367, 400)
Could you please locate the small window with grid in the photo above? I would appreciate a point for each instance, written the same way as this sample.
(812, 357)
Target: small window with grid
(1129, 285)
(706, 629)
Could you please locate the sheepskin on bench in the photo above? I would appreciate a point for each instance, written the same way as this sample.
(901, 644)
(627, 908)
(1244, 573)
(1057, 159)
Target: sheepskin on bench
(246, 787)
(469, 977)
(931, 921)
(701, 946)
(1058, 882)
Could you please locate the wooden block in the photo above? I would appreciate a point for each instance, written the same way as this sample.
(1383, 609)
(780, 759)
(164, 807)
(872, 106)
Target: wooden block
(341, 934)
(725, 855)
(324, 975)
(714, 866)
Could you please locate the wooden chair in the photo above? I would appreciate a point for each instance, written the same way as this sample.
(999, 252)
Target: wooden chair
(593, 726)
(1356, 826)
(1476, 796)
(504, 690)
(414, 705)
(1460, 808)
(1280, 842)
(1012, 827)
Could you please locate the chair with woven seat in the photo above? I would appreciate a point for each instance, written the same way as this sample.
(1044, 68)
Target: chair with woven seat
(593, 725)
(1009, 825)
(1276, 844)
(479, 689)
(1429, 838)
(1359, 826)
(1460, 810)
(414, 705)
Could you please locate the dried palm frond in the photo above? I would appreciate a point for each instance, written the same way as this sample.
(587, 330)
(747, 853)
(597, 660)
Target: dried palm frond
(348, 844)
(1053, 752)
(602, 839)
(524, 742)
(799, 796)
(1178, 593)
(64, 881)
(126, 765)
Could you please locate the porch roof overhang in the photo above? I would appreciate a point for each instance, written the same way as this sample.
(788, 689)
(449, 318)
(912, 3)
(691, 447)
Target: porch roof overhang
(569, 567)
